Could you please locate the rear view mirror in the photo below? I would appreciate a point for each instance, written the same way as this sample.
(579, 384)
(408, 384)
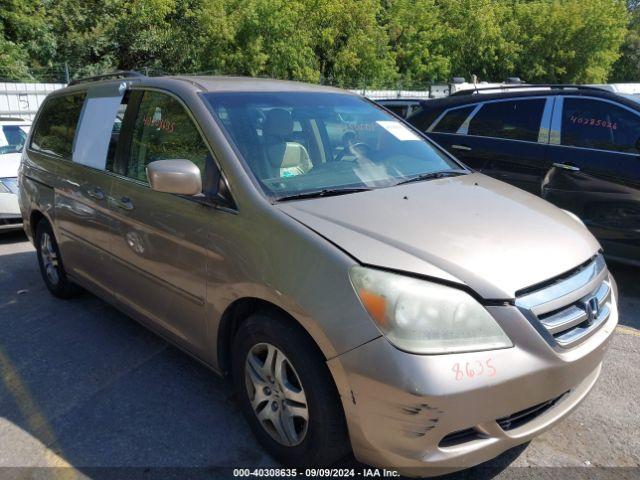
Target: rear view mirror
(181, 177)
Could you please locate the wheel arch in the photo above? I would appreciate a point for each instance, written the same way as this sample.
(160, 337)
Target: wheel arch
(35, 218)
(239, 311)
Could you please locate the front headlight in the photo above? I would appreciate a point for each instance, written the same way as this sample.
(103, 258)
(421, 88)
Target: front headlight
(424, 317)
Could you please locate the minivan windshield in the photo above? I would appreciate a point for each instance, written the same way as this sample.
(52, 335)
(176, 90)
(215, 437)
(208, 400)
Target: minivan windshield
(305, 144)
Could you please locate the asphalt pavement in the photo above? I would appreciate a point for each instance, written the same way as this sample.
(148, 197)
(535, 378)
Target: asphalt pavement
(87, 390)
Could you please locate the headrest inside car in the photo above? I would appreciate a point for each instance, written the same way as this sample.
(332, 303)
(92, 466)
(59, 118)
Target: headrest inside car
(278, 123)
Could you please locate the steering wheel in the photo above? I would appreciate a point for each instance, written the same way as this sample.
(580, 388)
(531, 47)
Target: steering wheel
(356, 149)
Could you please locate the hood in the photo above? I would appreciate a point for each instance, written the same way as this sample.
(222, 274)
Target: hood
(9, 164)
(469, 229)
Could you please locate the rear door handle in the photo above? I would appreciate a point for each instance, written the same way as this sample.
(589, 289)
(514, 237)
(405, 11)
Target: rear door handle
(461, 147)
(96, 193)
(124, 203)
(567, 166)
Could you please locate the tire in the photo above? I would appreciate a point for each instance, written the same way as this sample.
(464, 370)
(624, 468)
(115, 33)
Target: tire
(50, 262)
(322, 439)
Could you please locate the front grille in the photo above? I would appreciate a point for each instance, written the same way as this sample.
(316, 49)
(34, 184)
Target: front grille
(518, 419)
(574, 306)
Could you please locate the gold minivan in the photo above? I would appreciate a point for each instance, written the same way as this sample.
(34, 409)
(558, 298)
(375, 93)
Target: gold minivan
(364, 290)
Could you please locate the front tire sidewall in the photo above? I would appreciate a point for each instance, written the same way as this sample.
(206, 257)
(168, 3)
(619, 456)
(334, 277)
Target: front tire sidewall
(323, 442)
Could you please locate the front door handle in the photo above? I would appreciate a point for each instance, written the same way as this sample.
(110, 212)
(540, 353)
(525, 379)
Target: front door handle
(96, 193)
(124, 203)
(461, 147)
(567, 166)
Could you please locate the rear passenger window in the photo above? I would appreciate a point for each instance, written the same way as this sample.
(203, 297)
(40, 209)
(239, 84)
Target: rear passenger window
(163, 131)
(514, 120)
(56, 127)
(453, 120)
(602, 125)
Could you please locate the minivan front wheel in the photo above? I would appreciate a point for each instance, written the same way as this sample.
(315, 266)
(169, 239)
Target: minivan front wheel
(287, 394)
(50, 262)
(276, 394)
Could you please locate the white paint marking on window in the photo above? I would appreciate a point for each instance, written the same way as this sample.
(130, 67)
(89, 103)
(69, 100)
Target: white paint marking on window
(398, 130)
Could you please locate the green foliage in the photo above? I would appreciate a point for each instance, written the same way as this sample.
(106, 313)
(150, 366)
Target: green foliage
(417, 37)
(480, 39)
(627, 68)
(357, 43)
(586, 39)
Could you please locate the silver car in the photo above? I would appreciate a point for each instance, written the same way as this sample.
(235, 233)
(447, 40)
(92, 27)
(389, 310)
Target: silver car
(365, 291)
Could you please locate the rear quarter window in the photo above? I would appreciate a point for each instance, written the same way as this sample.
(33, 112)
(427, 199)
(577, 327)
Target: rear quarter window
(56, 126)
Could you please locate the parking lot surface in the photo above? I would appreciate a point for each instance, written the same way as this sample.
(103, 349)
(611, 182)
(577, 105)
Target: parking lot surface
(83, 387)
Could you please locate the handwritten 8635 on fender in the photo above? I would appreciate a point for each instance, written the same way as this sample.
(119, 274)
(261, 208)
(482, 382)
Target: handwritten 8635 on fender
(475, 368)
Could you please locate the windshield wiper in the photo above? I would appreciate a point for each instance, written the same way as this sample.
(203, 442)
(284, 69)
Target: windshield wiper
(325, 192)
(433, 175)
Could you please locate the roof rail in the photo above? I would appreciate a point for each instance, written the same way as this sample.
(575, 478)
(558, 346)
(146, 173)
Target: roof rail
(528, 86)
(108, 76)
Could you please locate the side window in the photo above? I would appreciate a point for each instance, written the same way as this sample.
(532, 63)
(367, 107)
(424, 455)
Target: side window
(56, 127)
(163, 131)
(453, 120)
(602, 125)
(513, 119)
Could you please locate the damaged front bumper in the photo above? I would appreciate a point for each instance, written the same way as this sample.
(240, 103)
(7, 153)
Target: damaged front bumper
(434, 414)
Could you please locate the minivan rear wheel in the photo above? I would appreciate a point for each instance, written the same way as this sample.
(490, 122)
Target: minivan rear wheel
(50, 261)
(287, 394)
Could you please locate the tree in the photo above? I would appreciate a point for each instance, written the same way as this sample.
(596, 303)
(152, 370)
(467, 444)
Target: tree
(569, 41)
(416, 37)
(627, 67)
(25, 38)
(480, 38)
(349, 45)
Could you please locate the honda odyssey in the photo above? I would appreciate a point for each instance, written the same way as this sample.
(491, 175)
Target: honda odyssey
(364, 290)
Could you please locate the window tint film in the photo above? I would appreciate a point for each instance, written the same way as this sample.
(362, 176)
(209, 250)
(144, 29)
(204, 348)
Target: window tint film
(303, 142)
(453, 120)
(12, 138)
(602, 125)
(56, 127)
(163, 131)
(514, 120)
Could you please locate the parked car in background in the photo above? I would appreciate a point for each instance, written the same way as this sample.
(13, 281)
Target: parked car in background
(362, 288)
(403, 107)
(13, 134)
(578, 147)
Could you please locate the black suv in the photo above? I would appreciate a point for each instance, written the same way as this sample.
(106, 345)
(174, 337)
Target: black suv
(578, 147)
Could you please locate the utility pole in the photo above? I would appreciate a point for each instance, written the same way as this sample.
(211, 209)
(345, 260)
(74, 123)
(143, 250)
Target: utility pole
(66, 73)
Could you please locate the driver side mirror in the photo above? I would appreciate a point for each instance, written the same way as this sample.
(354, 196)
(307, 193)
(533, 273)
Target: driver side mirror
(181, 177)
